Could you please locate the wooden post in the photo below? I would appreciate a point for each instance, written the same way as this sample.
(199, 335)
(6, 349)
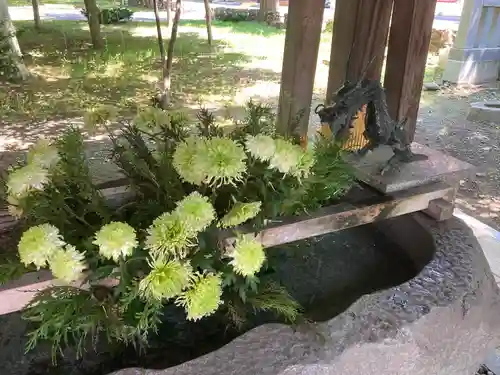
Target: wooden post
(360, 30)
(300, 57)
(406, 59)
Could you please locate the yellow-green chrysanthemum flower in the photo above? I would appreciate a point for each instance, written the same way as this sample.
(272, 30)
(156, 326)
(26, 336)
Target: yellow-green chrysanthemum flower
(38, 244)
(166, 279)
(303, 168)
(152, 118)
(203, 296)
(261, 147)
(196, 212)
(116, 240)
(27, 178)
(43, 154)
(286, 156)
(186, 160)
(99, 115)
(224, 161)
(169, 236)
(67, 264)
(247, 256)
(14, 208)
(240, 213)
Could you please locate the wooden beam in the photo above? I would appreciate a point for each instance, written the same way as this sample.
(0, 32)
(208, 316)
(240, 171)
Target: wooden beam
(303, 34)
(409, 39)
(345, 215)
(359, 38)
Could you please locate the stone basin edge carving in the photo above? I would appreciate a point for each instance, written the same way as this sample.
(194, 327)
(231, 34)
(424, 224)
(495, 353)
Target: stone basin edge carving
(443, 321)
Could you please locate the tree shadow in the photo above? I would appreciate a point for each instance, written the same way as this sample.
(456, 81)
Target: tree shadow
(70, 77)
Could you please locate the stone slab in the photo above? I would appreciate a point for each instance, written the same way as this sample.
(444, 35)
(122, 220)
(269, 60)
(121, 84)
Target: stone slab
(407, 176)
(488, 111)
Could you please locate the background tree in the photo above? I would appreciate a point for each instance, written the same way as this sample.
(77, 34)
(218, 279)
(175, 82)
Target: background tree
(208, 18)
(267, 6)
(11, 58)
(163, 100)
(94, 23)
(169, 11)
(36, 13)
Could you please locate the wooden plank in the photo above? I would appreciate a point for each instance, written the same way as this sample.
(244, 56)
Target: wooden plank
(360, 32)
(343, 216)
(300, 58)
(409, 39)
(16, 294)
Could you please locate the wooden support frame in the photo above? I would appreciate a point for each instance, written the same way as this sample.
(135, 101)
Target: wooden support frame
(360, 32)
(409, 39)
(300, 57)
(16, 294)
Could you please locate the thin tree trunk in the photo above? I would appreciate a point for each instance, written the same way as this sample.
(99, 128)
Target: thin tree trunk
(208, 18)
(94, 23)
(36, 14)
(169, 11)
(10, 52)
(158, 31)
(167, 66)
(263, 10)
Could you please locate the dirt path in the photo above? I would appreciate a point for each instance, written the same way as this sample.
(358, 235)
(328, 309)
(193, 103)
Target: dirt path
(442, 125)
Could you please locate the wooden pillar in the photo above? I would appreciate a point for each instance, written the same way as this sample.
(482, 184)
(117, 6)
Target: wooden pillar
(360, 31)
(406, 59)
(300, 57)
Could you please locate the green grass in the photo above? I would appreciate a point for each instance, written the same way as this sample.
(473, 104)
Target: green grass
(69, 76)
(249, 28)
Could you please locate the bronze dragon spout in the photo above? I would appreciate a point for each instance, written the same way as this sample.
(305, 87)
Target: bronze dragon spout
(380, 128)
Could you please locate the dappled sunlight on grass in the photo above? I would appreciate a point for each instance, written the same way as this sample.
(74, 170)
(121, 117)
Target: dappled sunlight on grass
(70, 76)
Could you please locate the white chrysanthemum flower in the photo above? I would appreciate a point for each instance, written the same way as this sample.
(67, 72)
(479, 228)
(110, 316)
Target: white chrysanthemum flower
(116, 240)
(247, 256)
(240, 213)
(43, 154)
(151, 117)
(67, 264)
(286, 156)
(27, 178)
(186, 160)
(224, 161)
(303, 168)
(38, 244)
(169, 236)
(196, 212)
(261, 147)
(203, 297)
(166, 280)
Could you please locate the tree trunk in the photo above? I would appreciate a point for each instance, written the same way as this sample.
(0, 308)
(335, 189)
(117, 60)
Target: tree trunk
(274, 5)
(36, 14)
(266, 7)
(169, 11)
(11, 58)
(208, 19)
(263, 10)
(158, 31)
(167, 65)
(94, 23)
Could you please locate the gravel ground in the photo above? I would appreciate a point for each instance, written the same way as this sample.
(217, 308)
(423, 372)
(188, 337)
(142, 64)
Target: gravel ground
(442, 125)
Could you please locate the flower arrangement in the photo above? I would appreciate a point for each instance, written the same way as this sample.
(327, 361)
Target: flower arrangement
(123, 266)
